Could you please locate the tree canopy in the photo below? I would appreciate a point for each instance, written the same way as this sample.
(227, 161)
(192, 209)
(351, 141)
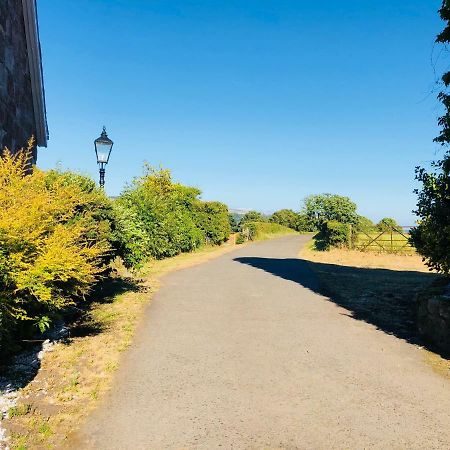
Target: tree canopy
(432, 236)
(321, 208)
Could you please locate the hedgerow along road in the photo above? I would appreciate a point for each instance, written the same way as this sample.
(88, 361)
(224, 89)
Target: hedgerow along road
(243, 352)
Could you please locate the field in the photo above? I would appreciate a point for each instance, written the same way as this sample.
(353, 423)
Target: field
(384, 242)
(268, 230)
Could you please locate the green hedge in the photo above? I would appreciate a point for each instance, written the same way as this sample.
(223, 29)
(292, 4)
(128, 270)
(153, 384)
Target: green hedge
(336, 234)
(159, 218)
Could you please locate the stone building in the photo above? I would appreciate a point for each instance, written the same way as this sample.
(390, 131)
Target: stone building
(22, 99)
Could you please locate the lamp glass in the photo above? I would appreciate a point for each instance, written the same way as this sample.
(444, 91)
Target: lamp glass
(103, 150)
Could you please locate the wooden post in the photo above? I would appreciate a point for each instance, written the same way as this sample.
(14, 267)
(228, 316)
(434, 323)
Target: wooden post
(349, 237)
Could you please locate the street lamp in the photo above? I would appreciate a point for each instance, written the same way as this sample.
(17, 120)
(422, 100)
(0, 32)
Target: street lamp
(103, 147)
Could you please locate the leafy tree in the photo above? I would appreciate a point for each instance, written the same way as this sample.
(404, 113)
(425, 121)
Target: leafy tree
(432, 236)
(364, 224)
(252, 216)
(233, 222)
(285, 217)
(303, 223)
(322, 208)
(387, 224)
(213, 219)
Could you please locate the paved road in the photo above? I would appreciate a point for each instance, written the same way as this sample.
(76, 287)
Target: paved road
(240, 352)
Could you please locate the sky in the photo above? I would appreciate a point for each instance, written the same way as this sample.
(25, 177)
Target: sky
(259, 103)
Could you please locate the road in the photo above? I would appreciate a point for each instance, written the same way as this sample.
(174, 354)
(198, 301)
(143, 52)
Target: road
(242, 352)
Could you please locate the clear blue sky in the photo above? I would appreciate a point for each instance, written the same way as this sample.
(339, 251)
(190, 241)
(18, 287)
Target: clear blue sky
(259, 103)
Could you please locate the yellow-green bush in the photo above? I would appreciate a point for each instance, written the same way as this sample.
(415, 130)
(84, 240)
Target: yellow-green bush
(53, 245)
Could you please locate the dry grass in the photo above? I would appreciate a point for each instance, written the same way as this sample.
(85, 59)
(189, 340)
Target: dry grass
(378, 288)
(75, 374)
(367, 259)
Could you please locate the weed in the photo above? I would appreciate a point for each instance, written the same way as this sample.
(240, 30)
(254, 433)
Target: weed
(45, 430)
(19, 410)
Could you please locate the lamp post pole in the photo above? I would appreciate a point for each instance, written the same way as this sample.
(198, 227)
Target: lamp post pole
(102, 175)
(103, 146)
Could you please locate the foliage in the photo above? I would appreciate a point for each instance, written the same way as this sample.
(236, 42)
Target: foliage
(322, 208)
(287, 218)
(53, 241)
(160, 218)
(388, 224)
(133, 241)
(432, 236)
(253, 231)
(303, 223)
(252, 216)
(213, 219)
(233, 223)
(364, 224)
(335, 234)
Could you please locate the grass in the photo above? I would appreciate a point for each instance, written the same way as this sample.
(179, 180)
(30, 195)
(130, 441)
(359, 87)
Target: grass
(386, 242)
(367, 259)
(77, 373)
(269, 230)
(378, 288)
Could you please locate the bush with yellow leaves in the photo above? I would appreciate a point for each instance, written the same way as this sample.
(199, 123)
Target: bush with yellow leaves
(55, 233)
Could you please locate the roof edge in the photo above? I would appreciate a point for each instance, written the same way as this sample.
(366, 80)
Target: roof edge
(36, 73)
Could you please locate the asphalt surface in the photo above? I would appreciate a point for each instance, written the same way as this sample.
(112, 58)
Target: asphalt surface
(242, 352)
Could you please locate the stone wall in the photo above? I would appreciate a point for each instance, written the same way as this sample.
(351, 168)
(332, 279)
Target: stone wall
(17, 121)
(433, 316)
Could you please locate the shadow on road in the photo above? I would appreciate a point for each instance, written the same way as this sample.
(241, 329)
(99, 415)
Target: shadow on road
(384, 298)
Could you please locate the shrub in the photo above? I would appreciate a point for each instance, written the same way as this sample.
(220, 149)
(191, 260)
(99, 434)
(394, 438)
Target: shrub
(336, 234)
(213, 219)
(53, 242)
(160, 218)
(432, 236)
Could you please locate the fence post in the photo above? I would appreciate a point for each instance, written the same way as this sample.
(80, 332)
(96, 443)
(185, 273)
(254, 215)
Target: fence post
(349, 237)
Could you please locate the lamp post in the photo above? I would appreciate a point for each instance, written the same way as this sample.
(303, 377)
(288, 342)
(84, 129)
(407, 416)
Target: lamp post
(103, 146)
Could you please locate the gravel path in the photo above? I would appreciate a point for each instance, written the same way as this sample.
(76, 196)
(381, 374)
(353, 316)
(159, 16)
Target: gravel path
(240, 352)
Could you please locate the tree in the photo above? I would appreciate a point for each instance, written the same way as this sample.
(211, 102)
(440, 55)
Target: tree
(432, 236)
(365, 224)
(324, 207)
(387, 224)
(252, 216)
(233, 223)
(286, 217)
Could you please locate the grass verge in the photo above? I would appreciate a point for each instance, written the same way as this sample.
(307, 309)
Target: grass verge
(378, 288)
(269, 230)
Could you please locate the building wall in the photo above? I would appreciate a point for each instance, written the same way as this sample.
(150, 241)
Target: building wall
(17, 122)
